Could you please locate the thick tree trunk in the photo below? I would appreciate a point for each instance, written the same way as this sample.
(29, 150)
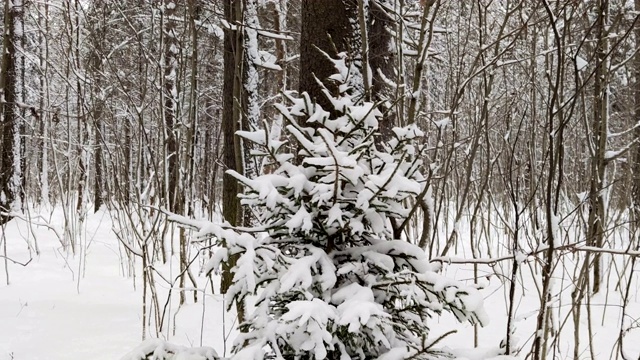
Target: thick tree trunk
(230, 203)
(381, 61)
(10, 146)
(325, 27)
(241, 112)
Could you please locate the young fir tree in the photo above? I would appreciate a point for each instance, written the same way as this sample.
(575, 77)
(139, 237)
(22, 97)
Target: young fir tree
(325, 276)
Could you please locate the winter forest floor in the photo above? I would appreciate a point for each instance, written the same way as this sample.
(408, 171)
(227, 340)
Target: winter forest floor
(88, 306)
(69, 307)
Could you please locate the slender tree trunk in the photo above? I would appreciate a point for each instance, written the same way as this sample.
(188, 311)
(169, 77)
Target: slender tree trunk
(595, 236)
(98, 34)
(248, 109)
(171, 51)
(636, 156)
(81, 125)
(555, 153)
(280, 9)
(43, 20)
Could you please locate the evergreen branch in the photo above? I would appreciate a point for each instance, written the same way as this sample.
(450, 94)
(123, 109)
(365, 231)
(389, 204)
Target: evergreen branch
(331, 150)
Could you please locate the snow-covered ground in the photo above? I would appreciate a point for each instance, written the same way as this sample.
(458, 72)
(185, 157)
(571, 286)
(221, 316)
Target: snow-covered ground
(61, 306)
(69, 307)
(53, 309)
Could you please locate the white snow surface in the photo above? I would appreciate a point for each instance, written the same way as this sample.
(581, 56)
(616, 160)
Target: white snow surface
(65, 307)
(581, 63)
(47, 313)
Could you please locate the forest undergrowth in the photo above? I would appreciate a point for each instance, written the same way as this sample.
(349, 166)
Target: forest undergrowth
(104, 261)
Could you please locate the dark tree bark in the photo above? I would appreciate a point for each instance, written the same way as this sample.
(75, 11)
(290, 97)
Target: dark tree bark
(325, 26)
(230, 188)
(381, 61)
(10, 144)
(339, 31)
(241, 112)
(595, 232)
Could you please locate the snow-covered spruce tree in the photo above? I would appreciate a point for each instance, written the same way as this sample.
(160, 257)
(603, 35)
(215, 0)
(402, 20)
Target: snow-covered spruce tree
(325, 277)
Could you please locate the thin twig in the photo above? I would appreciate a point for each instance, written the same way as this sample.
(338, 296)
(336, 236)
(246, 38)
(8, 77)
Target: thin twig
(16, 262)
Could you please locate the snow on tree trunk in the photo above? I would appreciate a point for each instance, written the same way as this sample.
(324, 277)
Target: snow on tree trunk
(43, 22)
(171, 51)
(250, 86)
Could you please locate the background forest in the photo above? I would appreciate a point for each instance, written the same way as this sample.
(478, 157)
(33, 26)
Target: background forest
(530, 115)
